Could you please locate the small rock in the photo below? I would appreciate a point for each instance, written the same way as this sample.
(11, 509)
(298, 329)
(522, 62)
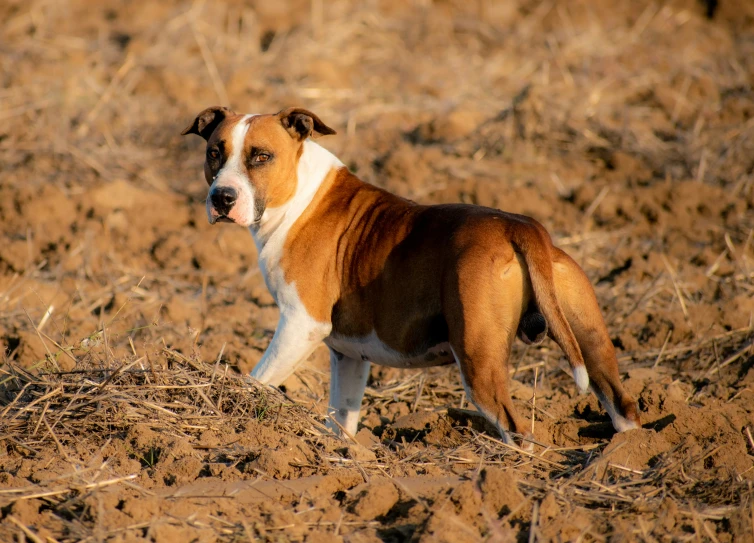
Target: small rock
(418, 421)
(375, 499)
(361, 453)
(634, 449)
(365, 438)
(549, 508)
(446, 527)
(500, 490)
(472, 419)
(412, 426)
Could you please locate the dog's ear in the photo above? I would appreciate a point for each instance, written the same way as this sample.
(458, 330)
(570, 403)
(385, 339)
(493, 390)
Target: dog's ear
(301, 123)
(206, 122)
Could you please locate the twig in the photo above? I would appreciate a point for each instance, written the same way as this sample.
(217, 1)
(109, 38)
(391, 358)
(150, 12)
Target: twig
(209, 62)
(751, 440)
(27, 532)
(534, 521)
(56, 440)
(39, 335)
(728, 361)
(662, 351)
(678, 292)
(534, 399)
(522, 451)
(83, 130)
(419, 389)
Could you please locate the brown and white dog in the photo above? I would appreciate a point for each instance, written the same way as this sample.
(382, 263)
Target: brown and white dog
(382, 279)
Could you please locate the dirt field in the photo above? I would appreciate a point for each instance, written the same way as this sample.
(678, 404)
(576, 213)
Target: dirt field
(627, 128)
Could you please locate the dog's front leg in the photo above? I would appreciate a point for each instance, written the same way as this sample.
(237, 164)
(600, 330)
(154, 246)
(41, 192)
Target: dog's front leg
(348, 379)
(296, 336)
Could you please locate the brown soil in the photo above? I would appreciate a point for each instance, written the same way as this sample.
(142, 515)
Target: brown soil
(627, 128)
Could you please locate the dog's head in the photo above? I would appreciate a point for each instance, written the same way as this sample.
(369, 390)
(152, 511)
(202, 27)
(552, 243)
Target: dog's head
(251, 160)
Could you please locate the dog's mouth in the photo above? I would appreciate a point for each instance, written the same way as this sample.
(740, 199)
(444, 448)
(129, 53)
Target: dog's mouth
(220, 218)
(214, 215)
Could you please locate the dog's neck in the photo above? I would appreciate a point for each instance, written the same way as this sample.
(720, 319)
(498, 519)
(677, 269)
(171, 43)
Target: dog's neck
(313, 166)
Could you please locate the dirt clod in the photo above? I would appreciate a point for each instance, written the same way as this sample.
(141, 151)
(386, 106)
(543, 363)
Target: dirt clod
(375, 499)
(500, 491)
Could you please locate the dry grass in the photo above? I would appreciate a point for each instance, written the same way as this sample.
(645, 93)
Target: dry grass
(75, 415)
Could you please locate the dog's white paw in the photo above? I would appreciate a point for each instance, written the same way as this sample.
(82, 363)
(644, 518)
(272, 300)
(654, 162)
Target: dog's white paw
(622, 424)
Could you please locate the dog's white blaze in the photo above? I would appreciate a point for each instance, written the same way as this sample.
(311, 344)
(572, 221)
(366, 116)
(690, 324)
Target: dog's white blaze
(373, 349)
(238, 137)
(582, 378)
(297, 333)
(232, 175)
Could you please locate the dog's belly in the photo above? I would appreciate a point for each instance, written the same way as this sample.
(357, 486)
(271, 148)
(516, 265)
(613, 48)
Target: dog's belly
(373, 349)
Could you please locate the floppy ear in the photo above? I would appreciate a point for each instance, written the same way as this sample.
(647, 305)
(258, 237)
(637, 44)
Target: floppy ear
(301, 123)
(206, 122)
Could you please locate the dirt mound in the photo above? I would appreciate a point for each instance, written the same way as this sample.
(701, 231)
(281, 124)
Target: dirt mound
(126, 320)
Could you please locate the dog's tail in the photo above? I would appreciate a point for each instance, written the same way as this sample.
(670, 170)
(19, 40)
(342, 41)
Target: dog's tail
(533, 242)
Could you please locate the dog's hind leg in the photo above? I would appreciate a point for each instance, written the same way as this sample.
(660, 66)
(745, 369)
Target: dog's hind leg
(482, 305)
(579, 303)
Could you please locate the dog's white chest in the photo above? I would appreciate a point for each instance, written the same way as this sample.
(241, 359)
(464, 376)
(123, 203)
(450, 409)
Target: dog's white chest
(373, 349)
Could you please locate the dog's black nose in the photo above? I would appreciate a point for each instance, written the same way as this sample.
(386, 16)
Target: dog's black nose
(223, 198)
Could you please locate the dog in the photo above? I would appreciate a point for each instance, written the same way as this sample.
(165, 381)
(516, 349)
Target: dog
(381, 279)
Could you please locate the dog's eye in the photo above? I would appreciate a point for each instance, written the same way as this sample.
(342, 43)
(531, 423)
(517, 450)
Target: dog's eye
(213, 154)
(262, 157)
